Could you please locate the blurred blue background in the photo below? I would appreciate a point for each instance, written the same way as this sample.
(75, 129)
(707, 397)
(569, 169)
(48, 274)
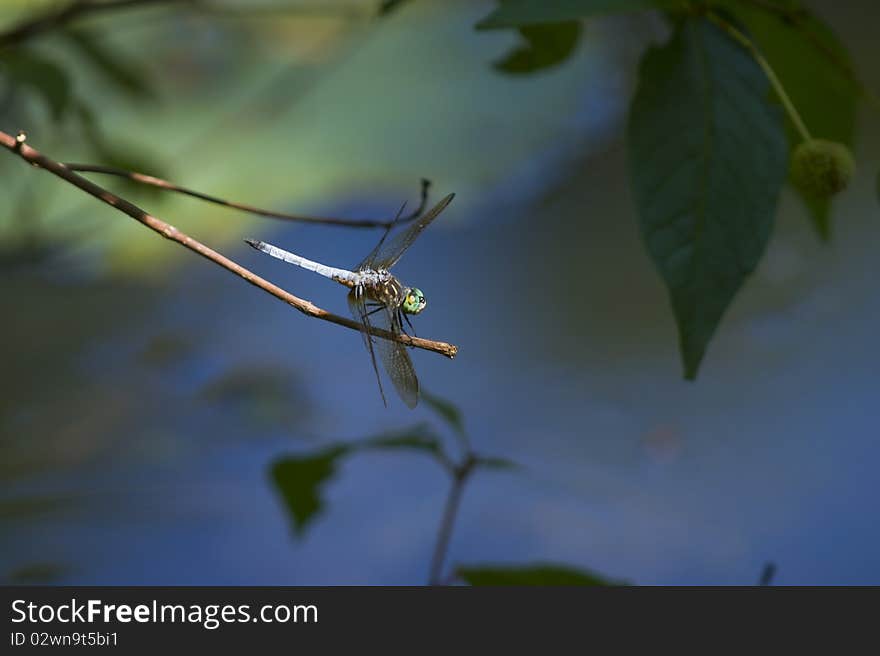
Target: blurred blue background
(145, 392)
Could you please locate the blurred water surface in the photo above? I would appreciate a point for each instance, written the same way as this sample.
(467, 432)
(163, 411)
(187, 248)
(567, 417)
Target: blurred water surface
(145, 392)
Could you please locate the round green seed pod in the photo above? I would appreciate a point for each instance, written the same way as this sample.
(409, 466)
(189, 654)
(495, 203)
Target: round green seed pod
(822, 168)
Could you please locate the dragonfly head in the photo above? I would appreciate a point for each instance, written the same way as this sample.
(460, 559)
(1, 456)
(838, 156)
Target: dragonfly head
(414, 301)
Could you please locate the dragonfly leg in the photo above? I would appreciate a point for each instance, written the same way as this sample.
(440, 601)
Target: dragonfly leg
(408, 322)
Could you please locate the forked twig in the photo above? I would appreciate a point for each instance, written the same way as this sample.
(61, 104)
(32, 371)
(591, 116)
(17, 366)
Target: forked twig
(18, 146)
(153, 181)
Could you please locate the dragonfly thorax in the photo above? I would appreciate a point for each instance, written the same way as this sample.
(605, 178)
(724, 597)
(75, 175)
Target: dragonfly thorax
(382, 287)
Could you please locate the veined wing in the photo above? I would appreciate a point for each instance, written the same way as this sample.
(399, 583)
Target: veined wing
(358, 309)
(395, 358)
(388, 251)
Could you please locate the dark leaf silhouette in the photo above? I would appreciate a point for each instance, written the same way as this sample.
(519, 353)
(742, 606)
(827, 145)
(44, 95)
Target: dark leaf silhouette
(122, 74)
(418, 438)
(38, 573)
(300, 482)
(117, 154)
(495, 463)
(767, 574)
(447, 411)
(388, 6)
(516, 13)
(264, 394)
(538, 574)
(545, 46)
(28, 70)
(35, 506)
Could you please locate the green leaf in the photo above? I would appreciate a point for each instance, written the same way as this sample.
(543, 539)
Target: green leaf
(816, 70)
(446, 410)
(539, 574)
(517, 13)
(300, 481)
(708, 156)
(26, 69)
(124, 75)
(417, 438)
(547, 45)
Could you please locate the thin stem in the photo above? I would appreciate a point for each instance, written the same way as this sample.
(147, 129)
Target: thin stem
(460, 475)
(32, 156)
(153, 181)
(768, 71)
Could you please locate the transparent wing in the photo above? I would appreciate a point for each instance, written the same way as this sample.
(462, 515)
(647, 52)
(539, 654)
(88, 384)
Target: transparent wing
(358, 309)
(395, 358)
(388, 251)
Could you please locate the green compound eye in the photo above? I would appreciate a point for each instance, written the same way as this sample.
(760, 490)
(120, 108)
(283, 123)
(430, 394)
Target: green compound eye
(414, 302)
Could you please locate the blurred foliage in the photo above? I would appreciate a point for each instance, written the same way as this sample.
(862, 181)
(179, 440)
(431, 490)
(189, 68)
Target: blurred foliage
(119, 72)
(702, 267)
(388, 6)
(166, 349)
(530, 575)
(706, 232)
(38, 573)
(768, 573)
(266, 395)
(31, 506)
(487, 462)
(518, 13)
(301, 483)
(30, 71)
(418, 438)
(447, 411)
(816, 70)
(546, 45)
(118, 154)
(26, 71)
(707, 186)
(301, 479)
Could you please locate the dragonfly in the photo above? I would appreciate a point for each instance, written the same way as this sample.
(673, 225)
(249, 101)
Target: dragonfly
(378, 299)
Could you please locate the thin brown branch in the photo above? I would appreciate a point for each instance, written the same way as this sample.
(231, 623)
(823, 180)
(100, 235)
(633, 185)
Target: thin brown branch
(153, 181)
(59, 17)
(18, 146)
